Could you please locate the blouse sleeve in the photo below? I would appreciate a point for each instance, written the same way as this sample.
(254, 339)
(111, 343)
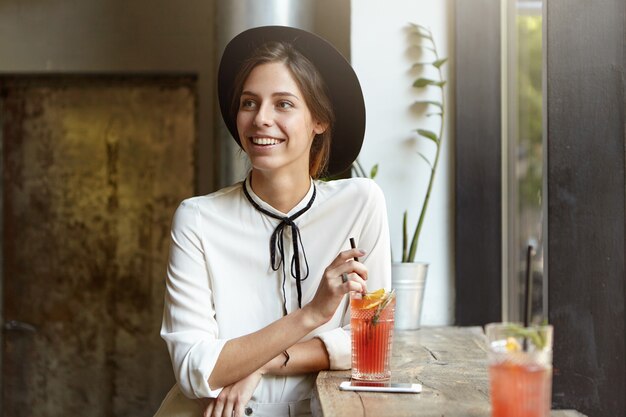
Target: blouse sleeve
(374, 239)
(189, 327)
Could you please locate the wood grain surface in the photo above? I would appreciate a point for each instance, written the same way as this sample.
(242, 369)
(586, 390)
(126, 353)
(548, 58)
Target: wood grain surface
(449, 362)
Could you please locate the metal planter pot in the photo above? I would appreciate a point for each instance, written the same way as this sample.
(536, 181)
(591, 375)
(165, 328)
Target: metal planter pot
(409, 281)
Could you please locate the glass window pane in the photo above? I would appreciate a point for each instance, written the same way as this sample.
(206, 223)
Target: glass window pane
(524, 156)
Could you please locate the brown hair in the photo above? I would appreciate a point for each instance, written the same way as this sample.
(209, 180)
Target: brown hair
(311, 85)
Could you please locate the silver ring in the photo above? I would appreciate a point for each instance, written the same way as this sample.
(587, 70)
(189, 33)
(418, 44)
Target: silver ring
(344, 277)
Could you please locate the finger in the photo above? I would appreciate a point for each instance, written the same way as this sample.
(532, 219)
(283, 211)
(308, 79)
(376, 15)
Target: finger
(345, 255)
(209, 409)
(218, 407)
(228, 409)
(239, 410)
(353, 286)
(349, 267)
(355, 283)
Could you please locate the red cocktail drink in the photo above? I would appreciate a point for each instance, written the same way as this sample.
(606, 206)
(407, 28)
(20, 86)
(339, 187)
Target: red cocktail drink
(520, 390)
(372, 322)
(520, 370)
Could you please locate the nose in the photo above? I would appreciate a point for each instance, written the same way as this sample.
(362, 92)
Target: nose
(263, 117)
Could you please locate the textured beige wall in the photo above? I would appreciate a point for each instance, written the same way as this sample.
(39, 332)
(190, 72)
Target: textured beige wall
(93, 172)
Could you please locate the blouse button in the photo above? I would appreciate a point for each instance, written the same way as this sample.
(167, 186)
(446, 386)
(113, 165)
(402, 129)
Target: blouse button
(248, 411)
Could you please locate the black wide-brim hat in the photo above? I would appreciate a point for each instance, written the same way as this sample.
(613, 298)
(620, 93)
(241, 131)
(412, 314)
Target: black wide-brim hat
(341, 81)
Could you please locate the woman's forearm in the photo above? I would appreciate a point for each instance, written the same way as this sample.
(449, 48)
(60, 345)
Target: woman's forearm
(246, 354)
(304, 358)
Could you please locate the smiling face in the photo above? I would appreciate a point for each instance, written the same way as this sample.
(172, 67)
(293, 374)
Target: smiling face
(275, 126)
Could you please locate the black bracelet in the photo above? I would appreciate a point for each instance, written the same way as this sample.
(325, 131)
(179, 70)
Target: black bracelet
(286, 356)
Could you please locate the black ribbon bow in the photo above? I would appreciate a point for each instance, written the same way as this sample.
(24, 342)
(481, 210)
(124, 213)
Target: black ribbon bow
(277, 242)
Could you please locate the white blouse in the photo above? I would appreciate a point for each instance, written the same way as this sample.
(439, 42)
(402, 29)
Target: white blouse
(220, 284)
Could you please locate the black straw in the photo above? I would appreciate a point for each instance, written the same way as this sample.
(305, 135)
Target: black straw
(528, 307)
(353, 246)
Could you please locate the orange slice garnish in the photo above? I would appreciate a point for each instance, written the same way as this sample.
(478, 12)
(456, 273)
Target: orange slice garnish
(375, 295)
(512, 345)
(374, 298)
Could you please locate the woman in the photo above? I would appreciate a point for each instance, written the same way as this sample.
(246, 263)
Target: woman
(247, 328)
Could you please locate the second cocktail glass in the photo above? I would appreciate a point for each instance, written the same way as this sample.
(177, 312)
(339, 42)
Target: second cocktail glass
(520, 369)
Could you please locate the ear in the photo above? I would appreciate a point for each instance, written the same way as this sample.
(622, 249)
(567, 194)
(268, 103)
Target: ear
(320, 128)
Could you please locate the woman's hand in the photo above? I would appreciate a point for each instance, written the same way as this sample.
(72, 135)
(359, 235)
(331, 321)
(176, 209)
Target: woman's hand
(232, 401)
(332, 288)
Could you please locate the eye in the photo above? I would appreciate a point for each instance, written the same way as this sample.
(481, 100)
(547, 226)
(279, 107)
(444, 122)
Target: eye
(247, 103)
(285, 104)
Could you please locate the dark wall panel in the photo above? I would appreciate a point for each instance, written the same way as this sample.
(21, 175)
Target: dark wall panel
(586, 211)
(478, 163)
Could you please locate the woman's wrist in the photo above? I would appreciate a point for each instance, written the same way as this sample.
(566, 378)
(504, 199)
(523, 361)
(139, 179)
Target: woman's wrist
(273, 366)
(311, 319)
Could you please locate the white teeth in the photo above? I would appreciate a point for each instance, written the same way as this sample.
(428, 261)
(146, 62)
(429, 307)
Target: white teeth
(265, 141)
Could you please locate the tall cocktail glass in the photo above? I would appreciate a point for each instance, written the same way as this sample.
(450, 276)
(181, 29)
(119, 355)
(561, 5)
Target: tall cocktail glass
(520, 369)
(372, 321)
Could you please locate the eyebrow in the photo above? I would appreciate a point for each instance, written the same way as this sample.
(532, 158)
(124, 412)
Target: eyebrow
(276, 94)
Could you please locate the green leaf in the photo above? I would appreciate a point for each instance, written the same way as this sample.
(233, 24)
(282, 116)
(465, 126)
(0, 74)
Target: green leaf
(438, 63)
(425, 159)
(418, 26)
(405, 237)
(421, 30)
(531, 333)
(440, 83)
(374, 171)
(430, 48)
(423, 34)
(423, 82)
(428, 135)
(427, 102)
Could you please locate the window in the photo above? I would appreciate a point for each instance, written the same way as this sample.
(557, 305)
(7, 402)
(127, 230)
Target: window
(522, 158)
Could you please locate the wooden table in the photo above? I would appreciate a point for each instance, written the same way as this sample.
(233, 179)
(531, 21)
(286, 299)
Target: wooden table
(449, 362)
